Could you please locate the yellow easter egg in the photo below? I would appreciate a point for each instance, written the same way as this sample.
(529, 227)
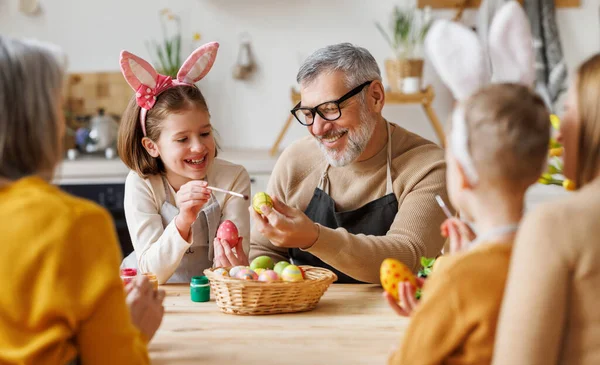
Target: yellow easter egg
(393, 272)
(260, 199)
(291, 273)
(259, 271)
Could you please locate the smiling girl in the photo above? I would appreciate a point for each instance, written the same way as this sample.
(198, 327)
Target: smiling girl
(166, 138)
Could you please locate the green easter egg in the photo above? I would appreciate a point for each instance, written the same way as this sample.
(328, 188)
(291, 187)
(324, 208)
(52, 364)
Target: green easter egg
(260, 199)
(262, 262)
(280, 266)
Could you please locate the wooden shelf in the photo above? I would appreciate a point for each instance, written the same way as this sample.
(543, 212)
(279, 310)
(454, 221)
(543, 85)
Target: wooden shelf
(454, 4)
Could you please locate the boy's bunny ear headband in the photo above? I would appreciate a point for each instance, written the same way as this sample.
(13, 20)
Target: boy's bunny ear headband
(148, 84)
(461, 62)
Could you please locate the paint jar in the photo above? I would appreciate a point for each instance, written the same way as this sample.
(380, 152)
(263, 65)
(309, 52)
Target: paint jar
(152, 279)
(200, 289)
(127, 275)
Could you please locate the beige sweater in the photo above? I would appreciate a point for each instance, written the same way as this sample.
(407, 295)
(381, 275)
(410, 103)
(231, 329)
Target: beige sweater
(418, 173)
(159, 249)
(551, 309)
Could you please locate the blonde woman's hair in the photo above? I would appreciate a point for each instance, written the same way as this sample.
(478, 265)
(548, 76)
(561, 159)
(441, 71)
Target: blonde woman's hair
(31, 79)
(588, 106)
(129, 144)
(509, 133)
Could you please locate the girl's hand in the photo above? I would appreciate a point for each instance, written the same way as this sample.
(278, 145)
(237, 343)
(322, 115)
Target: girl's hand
(460, 234)
(225, 257)
(191, 198)
(145, 305)
(407, 295)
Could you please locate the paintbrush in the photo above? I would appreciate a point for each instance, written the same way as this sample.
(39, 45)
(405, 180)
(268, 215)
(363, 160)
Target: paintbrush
(442, 205)
(245, 197)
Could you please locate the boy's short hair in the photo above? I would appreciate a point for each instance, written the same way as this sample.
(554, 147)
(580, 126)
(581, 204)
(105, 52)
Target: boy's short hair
(509, 133)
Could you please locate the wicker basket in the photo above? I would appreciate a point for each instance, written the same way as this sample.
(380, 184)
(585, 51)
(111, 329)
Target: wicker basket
(236, 296)
(397, 70)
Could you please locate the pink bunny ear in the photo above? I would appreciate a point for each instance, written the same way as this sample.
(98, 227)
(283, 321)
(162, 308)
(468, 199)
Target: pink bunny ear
(457, 55)
(137, 72)
(511, 46)
(198, 63)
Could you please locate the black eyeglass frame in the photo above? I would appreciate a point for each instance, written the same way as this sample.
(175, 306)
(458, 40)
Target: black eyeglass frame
(337, 102)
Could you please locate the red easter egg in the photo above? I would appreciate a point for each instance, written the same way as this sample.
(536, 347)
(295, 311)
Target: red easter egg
(228, 231)
(303, 273)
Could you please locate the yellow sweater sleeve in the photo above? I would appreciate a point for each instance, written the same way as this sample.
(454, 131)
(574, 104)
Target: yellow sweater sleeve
(106, 334)
(436, 328)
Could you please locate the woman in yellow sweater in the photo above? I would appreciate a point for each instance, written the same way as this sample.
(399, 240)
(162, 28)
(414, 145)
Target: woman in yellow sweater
(62, 297)
(550, 311)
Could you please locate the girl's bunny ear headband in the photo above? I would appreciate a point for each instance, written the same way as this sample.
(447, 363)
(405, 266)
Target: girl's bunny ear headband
(462, 63)
(149, 84)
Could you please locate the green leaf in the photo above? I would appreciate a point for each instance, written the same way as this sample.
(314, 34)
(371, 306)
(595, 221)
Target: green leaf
(418, 293)
(427, 262)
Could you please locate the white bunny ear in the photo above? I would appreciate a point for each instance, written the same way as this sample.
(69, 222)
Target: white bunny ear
(137, 72)
(510, 46)
(457, 55)
(198, 63)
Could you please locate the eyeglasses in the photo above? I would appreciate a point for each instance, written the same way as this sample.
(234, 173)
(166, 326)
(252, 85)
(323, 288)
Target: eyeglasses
(329, 110)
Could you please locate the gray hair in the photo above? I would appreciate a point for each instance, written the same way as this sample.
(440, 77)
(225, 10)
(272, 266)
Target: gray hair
(31, 79)
(357, 64)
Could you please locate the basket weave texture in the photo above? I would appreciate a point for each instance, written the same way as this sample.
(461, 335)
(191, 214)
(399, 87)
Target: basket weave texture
(249, 297)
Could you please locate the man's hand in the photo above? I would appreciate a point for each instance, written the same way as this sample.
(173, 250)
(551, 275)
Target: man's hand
(285, 226)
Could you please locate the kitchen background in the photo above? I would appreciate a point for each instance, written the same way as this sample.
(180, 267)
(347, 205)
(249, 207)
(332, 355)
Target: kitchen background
(248, 114)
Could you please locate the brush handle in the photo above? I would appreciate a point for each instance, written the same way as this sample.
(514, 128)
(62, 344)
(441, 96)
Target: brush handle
(228, 192)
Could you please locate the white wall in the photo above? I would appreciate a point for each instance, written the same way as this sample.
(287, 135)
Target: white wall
(250, 114)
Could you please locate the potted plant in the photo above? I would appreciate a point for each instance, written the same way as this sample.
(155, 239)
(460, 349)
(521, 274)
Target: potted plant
(554, 169)
(167, 53)
(408, 28)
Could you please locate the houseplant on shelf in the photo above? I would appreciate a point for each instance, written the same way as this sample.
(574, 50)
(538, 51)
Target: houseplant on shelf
(408, 28)
(554, 169)
(167, 53)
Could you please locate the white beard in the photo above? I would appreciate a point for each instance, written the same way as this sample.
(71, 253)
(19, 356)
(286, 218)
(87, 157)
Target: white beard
(358, 139)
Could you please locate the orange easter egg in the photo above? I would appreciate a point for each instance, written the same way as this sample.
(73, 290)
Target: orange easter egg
(393, 272)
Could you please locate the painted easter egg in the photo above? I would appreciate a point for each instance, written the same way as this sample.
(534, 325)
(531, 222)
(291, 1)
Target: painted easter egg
(393, 272)
(268, 276)
(246, 274)
(221, 271)
(228, 231)
(262, 262)
(291, 273)
(259, 271)
(260, 199)
(280, 266)
(234, 270)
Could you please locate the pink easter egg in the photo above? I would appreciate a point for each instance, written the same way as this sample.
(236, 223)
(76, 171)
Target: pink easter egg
(268, 276)
(228, 231)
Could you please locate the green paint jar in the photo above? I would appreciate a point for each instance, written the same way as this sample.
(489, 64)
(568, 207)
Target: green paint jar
(200, 289)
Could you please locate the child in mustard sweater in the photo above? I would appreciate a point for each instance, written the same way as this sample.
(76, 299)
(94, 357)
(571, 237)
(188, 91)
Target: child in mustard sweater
(497, 146)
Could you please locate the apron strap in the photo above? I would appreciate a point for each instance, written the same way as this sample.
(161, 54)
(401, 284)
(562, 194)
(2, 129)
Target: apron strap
(388, 187)
(324, 181)
(167, 191)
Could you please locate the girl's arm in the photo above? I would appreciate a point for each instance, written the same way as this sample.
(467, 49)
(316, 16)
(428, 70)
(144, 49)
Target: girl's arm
(158, 249)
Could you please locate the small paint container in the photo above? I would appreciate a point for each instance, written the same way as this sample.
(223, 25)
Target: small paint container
(127, 275)
(152, 279)
(200, 289)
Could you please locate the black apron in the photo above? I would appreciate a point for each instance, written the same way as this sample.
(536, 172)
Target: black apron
(374, 218)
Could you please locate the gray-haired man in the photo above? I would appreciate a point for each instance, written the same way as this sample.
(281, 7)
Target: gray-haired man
(358, 189)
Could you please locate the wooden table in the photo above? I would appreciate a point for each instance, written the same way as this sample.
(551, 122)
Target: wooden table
(351, 325)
